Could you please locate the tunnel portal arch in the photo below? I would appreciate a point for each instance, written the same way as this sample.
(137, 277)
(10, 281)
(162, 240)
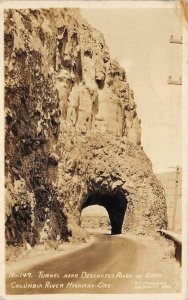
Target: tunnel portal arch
(115, 205)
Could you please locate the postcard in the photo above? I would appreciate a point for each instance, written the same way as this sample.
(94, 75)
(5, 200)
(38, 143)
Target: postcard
(94, 147)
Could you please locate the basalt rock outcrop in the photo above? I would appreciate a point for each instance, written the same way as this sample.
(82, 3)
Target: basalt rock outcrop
(73, 137)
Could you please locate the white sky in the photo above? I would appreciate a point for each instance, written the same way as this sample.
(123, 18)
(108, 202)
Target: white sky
(94, 210)
(139, 40)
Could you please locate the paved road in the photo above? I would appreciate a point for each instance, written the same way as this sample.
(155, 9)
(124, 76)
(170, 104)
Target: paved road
(111, 264)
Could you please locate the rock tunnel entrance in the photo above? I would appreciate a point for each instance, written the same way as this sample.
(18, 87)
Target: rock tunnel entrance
(115, 206)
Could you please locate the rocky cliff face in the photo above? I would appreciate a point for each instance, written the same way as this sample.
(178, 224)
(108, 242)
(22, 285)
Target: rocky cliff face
(72, 131)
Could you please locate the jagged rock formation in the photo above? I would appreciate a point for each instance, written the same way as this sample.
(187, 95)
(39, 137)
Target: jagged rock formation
(73, 137)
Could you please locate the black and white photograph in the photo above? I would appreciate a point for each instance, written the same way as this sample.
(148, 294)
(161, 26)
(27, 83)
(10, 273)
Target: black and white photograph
(93, 112)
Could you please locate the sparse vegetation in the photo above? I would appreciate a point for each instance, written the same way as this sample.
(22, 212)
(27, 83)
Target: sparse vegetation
(13, 253)
(95, 222)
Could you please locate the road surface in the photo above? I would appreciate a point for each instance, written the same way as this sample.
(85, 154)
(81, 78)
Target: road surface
(111, 264)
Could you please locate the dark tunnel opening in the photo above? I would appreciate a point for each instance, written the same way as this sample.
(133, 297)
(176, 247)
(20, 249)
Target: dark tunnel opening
(115, 206)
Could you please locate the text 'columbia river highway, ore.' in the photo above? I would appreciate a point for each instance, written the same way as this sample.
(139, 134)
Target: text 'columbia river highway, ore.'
(63, 281)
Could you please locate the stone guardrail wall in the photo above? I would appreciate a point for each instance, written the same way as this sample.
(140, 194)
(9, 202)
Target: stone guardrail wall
(176, 238)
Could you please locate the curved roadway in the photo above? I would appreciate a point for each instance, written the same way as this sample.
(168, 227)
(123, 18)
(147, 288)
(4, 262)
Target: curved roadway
(111, 264)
